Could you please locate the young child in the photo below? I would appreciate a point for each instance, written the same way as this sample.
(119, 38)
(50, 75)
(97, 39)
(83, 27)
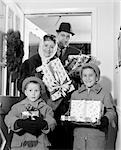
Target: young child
(87, 137)
(30, 119)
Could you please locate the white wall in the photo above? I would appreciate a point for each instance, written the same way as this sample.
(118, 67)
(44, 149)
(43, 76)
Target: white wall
(30, 27)
(117, 72)
(17, 12)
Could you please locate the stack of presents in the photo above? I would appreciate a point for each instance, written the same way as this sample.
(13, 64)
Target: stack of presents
(59, 84)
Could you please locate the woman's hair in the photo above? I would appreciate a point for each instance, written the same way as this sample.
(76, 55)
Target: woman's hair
(51, 37)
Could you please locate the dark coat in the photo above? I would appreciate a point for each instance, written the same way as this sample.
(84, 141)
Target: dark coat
(28, 69)
(69, 51)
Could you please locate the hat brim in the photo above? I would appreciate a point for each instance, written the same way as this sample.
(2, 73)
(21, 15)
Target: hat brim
(65, 31)
(29, 79)
(93, 66)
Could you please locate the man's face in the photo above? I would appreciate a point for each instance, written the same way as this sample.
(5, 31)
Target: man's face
(63, 39)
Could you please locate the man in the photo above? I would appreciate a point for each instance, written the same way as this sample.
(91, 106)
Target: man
(64, 50)
(64, 34)
(62, 137)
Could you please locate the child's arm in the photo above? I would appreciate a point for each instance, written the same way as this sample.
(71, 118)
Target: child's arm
(11, 118)
(109, 108)
(49, 118)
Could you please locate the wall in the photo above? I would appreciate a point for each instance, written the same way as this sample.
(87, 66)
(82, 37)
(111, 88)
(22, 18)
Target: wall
(31, 28)
(16, 12)
(117, 72)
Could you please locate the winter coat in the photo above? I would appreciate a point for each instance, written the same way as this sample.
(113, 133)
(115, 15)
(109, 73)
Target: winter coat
(16, 113)
(87, 137)
(69, 50)
(96, 93)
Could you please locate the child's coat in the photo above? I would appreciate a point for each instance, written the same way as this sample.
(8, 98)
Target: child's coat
(18, 141)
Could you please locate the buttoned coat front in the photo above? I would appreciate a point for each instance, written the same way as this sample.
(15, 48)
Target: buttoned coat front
(87, 137)
(16, 113)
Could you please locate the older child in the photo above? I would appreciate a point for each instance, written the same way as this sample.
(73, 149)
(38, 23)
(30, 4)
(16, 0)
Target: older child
(31, 119)
(87, 137)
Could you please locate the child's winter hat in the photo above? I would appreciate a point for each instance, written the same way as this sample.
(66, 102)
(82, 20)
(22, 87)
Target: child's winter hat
(93, 66)
(31, 79)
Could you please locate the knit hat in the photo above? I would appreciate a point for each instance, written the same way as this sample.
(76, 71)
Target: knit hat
(93, 66)
(30, 79)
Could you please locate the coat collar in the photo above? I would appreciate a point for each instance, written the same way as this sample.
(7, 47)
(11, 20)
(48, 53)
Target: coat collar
(96, 88)
(39, 103)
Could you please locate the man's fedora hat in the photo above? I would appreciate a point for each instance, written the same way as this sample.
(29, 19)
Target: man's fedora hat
(66, 27)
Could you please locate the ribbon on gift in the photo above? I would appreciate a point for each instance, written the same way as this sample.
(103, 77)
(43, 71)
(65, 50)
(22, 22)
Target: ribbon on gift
(60, 83)
(63, 88)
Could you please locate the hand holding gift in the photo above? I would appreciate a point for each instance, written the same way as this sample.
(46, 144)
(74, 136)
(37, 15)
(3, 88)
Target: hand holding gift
(33, 127)
(30, 112)
(86, 112)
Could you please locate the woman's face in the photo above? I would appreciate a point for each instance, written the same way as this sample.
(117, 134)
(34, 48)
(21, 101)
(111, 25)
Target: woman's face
(48, 48)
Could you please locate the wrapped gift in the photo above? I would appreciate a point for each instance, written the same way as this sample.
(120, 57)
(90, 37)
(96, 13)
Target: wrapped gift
(56, 79)
(86, 111)
(32, 114)
(75, 61)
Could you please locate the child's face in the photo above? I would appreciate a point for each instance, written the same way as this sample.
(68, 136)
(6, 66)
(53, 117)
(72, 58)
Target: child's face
(89, 77)
(48, 48)
(32, 91)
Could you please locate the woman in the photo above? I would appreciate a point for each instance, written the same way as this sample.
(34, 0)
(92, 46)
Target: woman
(46, 51)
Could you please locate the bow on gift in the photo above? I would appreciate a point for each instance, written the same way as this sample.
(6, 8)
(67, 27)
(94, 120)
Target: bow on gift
(29, 107)
(60, 86)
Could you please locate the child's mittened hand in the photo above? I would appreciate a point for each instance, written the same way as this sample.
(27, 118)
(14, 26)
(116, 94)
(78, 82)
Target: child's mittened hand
(30, 126)
(41, 123)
